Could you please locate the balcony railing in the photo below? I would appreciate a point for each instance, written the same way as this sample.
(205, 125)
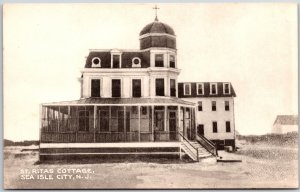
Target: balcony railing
(107, 137)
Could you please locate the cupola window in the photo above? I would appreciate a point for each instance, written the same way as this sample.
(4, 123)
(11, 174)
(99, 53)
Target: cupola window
(172, 88)
(159, 60)
(172, 61)
(96, 62)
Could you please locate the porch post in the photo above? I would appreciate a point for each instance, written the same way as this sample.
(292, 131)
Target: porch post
(109, 125)
(152, 121)
(95, 111)
(124, 115)
(69, 119)
(178, 119)
(139, 113)
(58, 112)
(165, 117)
(184, 128)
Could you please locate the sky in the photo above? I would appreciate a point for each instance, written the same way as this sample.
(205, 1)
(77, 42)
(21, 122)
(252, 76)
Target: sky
(253, 46)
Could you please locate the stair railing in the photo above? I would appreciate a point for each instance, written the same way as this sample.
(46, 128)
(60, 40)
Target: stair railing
(188, 144)
(207, 144)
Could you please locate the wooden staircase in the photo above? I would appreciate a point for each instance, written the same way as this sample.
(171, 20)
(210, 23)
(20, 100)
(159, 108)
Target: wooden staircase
(200, 148)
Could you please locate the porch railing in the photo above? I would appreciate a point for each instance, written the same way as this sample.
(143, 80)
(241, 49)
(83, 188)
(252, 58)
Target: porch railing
(106, 137)
(207, 144)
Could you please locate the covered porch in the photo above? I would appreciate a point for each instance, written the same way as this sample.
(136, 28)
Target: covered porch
(111, 120)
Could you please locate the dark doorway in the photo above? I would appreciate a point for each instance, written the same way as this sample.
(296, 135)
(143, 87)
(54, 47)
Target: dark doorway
(95, 92)
(200, 129)
(172, 125)
(160, 87)
(136, 88)
(116, 88)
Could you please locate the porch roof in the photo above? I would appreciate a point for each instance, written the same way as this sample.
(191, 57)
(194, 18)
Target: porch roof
(123, 101)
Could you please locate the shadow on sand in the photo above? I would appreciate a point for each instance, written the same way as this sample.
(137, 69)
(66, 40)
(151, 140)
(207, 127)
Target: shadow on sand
(95, 159)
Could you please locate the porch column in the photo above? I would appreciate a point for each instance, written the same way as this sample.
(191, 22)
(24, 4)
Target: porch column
(184, 128)
(152, 121)
(165, 117)
(109, 124)
(178, 120)
(58, 117)
(139, 113)
(95, 111)
(125, 135)
(69, 119)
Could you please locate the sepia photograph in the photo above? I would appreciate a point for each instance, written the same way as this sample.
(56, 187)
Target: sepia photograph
(150, 96)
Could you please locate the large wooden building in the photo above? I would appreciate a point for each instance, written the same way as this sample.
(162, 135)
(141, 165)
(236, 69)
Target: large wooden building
(132, 104)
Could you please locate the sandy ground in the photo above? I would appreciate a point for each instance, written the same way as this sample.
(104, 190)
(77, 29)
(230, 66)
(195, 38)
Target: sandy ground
(262, 166)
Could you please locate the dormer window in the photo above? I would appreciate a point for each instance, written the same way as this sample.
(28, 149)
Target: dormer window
(200, 89)
(172, 61)
(159, 60)
(136, 62)
(187, 89)
(116, 61)
(96, 62)
(226, 88)
(213, 89)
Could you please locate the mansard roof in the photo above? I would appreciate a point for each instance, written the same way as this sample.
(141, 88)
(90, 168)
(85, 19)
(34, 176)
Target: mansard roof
(220, 90)
(126, 58)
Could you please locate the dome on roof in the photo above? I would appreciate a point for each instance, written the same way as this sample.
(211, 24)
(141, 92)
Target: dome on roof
(157, 27)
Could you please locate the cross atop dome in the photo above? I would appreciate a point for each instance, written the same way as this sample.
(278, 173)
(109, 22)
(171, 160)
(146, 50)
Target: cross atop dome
(156, 8)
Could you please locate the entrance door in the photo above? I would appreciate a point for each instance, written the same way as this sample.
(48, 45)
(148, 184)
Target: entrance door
(172, 125)
(158, 125)
(200, 129)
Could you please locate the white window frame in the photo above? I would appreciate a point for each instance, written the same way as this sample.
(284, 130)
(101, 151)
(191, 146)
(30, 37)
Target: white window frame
(90, 87)
(198, 88)
(136, 65)
(112, 60)
(172, 55)
(121, 86)
(163, 56)
(224, 85)
(96, 65)
(184, 91)
(210, 88)
(136, 78)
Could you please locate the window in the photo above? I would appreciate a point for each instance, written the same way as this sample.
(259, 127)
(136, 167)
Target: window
(213, 106)
(136, 88)
(116, 88)
(95, 88)
(200, 106)
(172, 61)
(136, 62)
(215, 127)
(226, 105)
(159, 60)
(227, 126)
(144, 110)
(226, 88)
(172, 88)
(213, 88)
(96, 62)
(116, 61)
(104, 120)
(187, 89)
(200, 89)
(83, 120)
(160, 87)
